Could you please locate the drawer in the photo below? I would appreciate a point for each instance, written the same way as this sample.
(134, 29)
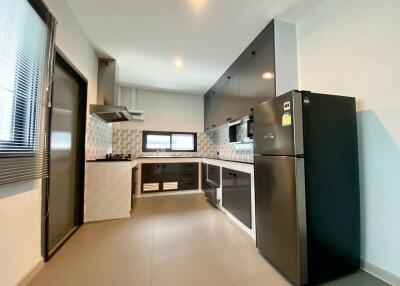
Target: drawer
(169, 186)
(151, 187)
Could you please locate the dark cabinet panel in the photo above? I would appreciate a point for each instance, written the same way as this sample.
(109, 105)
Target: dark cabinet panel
(263, 79)
(208, 113)
(189, 176)
(214, 174)
(236, 194)
(169, 177)
(248, 82)
(203, 175)
(151, 177)
(151, 173)
(210, 191)
(171, 172)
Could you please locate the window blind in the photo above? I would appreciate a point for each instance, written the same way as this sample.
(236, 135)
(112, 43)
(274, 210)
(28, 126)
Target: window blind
(26, 61)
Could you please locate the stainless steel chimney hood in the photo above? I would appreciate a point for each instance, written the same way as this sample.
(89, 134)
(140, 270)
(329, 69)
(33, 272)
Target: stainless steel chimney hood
(107, 108)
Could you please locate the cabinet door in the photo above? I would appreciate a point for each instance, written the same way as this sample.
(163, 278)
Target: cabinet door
(232, 106)
(210, 192)
(207, 111)
(263, 75)
(236, 194)
(257, 80)
(170, 176)
(203, 175)
(151, 177)
(189, 177)
(214, 174)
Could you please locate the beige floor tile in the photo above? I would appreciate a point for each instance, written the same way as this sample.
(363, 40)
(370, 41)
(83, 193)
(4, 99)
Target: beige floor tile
(168, 241)
(187, 264)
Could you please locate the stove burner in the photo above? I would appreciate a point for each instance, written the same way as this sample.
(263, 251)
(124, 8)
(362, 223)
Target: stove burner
(116, 157)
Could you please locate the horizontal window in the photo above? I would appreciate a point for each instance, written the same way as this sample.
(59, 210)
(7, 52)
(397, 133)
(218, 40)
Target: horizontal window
(26, 49)
(169, 141)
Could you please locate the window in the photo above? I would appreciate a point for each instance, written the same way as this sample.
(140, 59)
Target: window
(169, 141)
(182, 142)
(23, 51)
(26, 49)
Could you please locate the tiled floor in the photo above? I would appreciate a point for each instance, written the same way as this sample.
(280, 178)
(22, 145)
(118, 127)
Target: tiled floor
(171, 240)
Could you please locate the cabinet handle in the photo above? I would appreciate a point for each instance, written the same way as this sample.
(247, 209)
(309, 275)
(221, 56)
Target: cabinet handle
(230, 174)
(214, 125)
(229, 119)
(234, 175)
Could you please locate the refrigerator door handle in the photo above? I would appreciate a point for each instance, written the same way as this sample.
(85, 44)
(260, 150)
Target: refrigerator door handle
(298, 124)
(301, 220)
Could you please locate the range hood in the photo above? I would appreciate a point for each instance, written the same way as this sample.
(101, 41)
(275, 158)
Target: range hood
(106, 109)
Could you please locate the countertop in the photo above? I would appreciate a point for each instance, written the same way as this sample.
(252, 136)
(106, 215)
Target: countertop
(170, 157)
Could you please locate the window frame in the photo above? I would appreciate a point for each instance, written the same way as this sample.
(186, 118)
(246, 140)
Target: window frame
(168, 133)
(27, 147)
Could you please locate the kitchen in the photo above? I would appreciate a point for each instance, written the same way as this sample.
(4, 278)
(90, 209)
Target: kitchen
(180, 159)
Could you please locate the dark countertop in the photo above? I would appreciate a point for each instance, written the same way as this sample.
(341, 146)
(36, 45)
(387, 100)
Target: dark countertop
(108, 161)
(171, 157)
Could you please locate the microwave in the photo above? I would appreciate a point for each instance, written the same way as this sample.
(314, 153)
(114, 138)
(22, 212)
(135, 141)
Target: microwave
(241, 130)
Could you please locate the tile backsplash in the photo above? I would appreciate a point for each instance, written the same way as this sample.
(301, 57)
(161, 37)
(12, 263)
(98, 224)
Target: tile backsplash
(102, 138)
(98, 138)
(237, 152)
(128, 141)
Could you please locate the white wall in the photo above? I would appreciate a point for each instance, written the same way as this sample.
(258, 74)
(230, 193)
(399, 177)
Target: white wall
(168, 112)
(20, 204)
(20, 213)
(352, 48)
(73, 42)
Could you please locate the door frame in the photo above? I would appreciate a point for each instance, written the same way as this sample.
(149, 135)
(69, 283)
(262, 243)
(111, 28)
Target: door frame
(61, 59)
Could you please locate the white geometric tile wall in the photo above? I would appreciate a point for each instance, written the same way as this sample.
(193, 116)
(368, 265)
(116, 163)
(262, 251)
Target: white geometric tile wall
(212, 144)
(128, 141)
(98, 138)
(237, 152)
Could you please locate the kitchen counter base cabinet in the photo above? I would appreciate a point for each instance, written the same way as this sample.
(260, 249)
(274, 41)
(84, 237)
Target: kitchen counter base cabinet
(213, 174)
(161, 177)
(236, 194)
(210, 191)
(151, 177)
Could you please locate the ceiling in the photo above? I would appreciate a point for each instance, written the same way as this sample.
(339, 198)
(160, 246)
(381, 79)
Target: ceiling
(146, 37)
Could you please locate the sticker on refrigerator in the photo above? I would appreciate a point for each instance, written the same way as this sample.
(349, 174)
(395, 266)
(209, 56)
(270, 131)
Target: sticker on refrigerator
(286, 106)
(287, 119)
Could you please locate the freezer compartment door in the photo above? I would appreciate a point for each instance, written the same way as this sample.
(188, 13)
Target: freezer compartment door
(278, 126)
(281, 214)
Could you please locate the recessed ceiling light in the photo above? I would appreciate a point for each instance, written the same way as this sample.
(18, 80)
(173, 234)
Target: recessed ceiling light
(198, 4)
(178, 62)
(267, 75)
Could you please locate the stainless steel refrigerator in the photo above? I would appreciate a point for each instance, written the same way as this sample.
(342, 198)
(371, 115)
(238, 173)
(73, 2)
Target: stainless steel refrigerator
(306, 185)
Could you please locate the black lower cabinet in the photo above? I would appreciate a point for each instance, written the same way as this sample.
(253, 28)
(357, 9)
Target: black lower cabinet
(236, 194)
(213, 174)
(210, 191)
(157, 177)
(151, 178)
(189, 176)
(203, 175)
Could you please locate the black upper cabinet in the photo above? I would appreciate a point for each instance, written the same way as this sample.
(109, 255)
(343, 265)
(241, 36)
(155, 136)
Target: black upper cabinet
(249, 81)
